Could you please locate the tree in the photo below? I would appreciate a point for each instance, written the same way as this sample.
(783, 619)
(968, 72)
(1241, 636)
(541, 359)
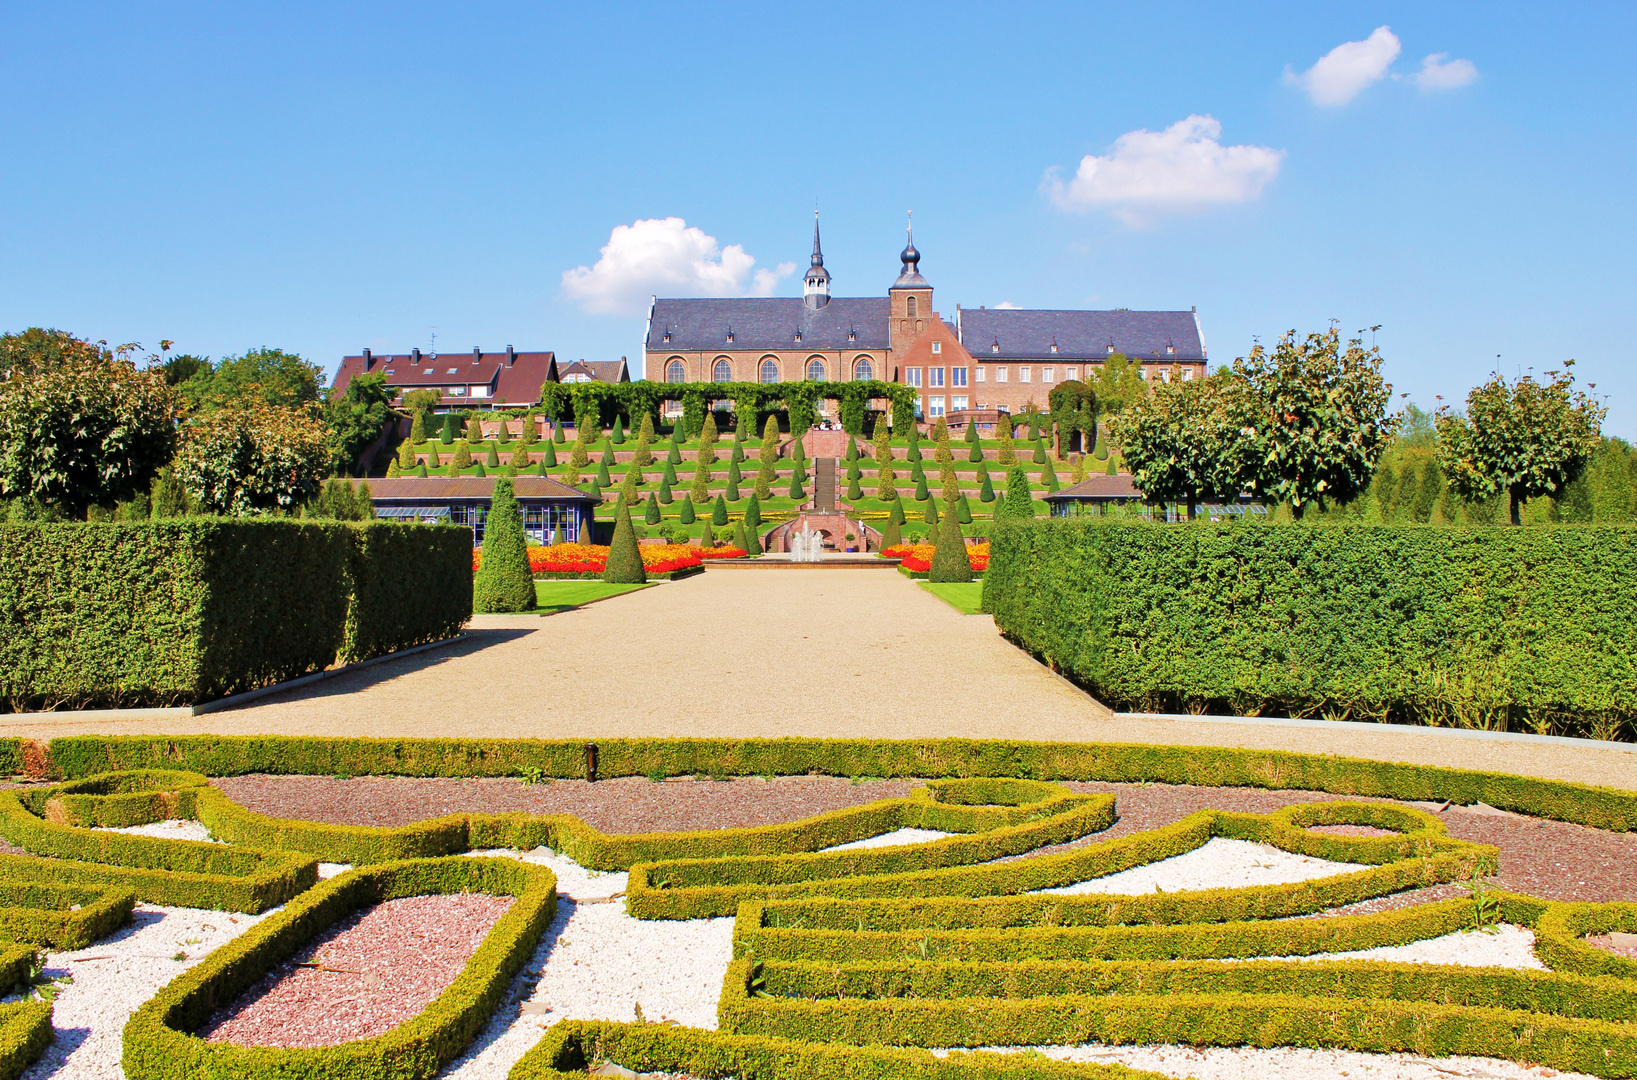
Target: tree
(886, 487)
(890, 536)
(708, 434)
(462, 459)
(666, 495)
(719, 512)
(700, 491)
(493, 462)
(645, 441)
(451, 425)
(768, 455)
(1118, 384)
(253, 458)
(421, 400)
(855, 491)
(1019, 503)
(272, 376)
(432, 461)
(1312, 419)
(986, 489)
(618, 434)
(921, 493)
(1524, 440)
(503, 581)
(355, 418)
(796, 491)
(624, 565)
(949, 560)
(1008, 451)
(687, 512)
(753, 514)
(503, 430)
(741, 539)
(650, 510)
(474, 430)
(417, 428)
(549, 459)
(340, 501)
(531, 431)
(80, 425)
(1181, 441)
(929, 512)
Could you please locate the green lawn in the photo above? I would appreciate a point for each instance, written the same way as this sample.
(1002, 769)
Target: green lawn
(964, 597)
(557, 596)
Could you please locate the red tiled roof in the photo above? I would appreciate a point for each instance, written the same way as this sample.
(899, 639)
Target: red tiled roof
(467, 487)
(1098, 487)
(513, 379)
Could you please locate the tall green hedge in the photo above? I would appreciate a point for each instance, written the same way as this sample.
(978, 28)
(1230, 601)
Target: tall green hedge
(1516, 629)
(178, 611)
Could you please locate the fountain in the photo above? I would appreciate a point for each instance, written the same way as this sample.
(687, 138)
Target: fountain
(806, 546)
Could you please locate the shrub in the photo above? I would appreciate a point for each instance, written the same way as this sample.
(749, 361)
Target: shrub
(687, 512)
(549, 459)
(949, 562)
(556, 431)
(417, 427)
(921, 492)
(531, 430)
(890, 536)
(929, 513)
(719, 512)
(474, 430)
(964, 510)
(478, 470)
(624, 565)
(666, 496)
(796, 491)
(986, 490)
(603, 478)
(617, 435)
(503, 432)
(1048, 477)
(450, 424)
(1019, 503)
(741, 539)
(503, 581)
(854, 491)
(753, 514)
(650, 513)
(1493, 628)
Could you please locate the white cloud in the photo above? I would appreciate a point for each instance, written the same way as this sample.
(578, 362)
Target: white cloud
(1438, 72)
(1007, 305)
(1150, 173)
(1343, 72)
(665, 256)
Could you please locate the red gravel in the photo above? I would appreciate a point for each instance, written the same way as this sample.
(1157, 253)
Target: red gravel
(624, 805)
(1351, 830)
(1603, 941)
(364, 976)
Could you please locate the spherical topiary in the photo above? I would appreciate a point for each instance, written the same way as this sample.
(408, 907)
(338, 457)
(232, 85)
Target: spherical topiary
(624, 565)
(950, 561)
(503, 581)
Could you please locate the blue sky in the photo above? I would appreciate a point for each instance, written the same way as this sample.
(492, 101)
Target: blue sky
(322, 177)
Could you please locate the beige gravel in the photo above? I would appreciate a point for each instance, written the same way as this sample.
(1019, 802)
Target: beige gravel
(815, 653)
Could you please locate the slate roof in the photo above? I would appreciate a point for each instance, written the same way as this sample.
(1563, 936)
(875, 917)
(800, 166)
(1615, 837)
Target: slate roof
(433, 488)
(1081, 335)
(1100, 486)
(516, 381)
(767, 323)
(608, 371)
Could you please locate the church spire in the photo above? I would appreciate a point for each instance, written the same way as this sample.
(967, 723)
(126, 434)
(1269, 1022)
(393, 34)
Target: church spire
(911, 277)
(816, 289)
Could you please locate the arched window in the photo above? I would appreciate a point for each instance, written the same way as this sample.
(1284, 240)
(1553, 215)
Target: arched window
(863, 371)
(770, 370)
(815, 369)
(912, 306)
(722, 371)
(675, 372)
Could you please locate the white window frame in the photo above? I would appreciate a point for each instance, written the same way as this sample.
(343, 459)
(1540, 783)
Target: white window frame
(912, 376)
(938, 347)
(957, 376)
(1046, 374)
(1023, 374)
(979, 373)
(935, 376)
(957, 403)
(1071, 374)
(935, 405)
(1000, 374)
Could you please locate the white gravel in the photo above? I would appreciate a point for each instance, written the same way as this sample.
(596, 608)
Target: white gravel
(1504, 946)
(893, 839)
(595, 962)
(1292, 1063)
(115, 976)
(1217, 864)
(174, 829)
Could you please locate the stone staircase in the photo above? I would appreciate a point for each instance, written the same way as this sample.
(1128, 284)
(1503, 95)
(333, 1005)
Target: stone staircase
(824, 485)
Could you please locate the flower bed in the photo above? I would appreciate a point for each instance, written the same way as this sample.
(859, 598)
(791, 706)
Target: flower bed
(727, 551)
(917, 558)
(576, 560)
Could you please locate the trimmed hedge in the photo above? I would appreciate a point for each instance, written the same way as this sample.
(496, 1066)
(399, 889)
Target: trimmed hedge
(570, 1048)
(158, 1040)
(25, 1032)
(184, 610)
(62, 917)
(1518, 629)
(223, 755)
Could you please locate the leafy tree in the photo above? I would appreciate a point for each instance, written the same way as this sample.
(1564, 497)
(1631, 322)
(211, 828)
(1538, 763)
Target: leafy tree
(80, 425)
(1073, 407)
(1524, 440)
(253, 458)
(180, 368)
(1181, 441)
(624, 565)
(272, 376)
(949, 560)
(503, 581)
(1019, 503)
(1118, 384)
(421, 400)
(1312, 419)
(355, 418)
(340, 501)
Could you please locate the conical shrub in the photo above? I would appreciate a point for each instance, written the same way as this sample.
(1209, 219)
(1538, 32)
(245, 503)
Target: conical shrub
(503, 581)
(618, 434)
(665, 493)
(650, 510)
(531, 432)
(1048, 477)
(687, 512)
(503, 433)
(950, 561)
(1019, 503)
(474, 429)
(986, 490)
(886, 487)
(733, 490)
(624, 565)
(734, 476)
(557, 432)
(462, 459)
(719, 511)
(393, 471)
(420, 469)
(1039, 452)
(897, 514)
(1113, 468)
(432, 460)
(521, 458)
(406, 455)
(550, 458)
(492, 459)
(854, 491)
(921, 492)
(852, 450)
(603, 478)
(890, 536)
(740, 539)
(796, 491)
(964, 511)
(929, 513)
(417, 427)
(451, 426)
(940, 430)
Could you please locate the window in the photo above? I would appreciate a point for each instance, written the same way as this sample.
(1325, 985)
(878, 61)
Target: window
(958, 403)
(912, 376)
(722, 371)
(770, 370)
(578, 376)
(1000, 374)
(675, 372)
(911, 308)
(1071, 374)
(451, 371)
(979, 374)
(472, 517)
(864, 371)
(937, 346)
(457, 391)
(541, 523)
(815, 370)
(935, 376)
(935, 406)
(957, 376)
(1046, 374)
(1022, 374)
(1187, 374)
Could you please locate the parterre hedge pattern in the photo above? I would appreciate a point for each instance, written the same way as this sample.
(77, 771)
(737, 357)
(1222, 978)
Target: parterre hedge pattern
(1515, 629)
(181, 611)
(851, 963)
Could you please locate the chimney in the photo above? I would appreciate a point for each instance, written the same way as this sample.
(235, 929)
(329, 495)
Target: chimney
(369, 361)
(477, 355)
(415, 355)
(511, 356)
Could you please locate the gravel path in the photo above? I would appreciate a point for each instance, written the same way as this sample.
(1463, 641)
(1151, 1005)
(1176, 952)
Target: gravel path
(1293, 1063)
(364, 976)
(893, 839)
(1218, 864)
(1504, 946)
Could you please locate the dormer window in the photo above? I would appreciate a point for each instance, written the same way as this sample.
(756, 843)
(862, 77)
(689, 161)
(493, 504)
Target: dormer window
(994, 346)
(1111, 348)
(798, 335)
(730, 335)
(667, 336)
(1054, 344)
(1170, 350)
(852, 335)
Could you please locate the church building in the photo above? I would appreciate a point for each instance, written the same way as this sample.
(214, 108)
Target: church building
(982, 361)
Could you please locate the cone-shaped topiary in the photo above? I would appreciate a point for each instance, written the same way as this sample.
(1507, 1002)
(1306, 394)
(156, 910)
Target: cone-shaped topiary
(474, 429)
(897, 515)
(854, 491)
(916, 472)
(719, 511)
(853, 471)
(406, 455)
(1113, 468)
(420, 468)
(964, 511)
(738, 454)
(579, 455)
(921, 493)
(1039, 452)
(1079, 470)
(734, 476)
(432, 460)
(914, 452)
(550, 458)
(929, 513)
(707, 430)
(603, 479)
(392, 469)
(669, 473)
(450, 426)
(1019, 503)
(503, 581)
(503, 432)
(1048, 477)
(540, 467)
(700, 491)
(733, 490)
(608, 451)
(741, 540)
(521, 458)
(624, 565)
(665, 493)
(650, 510)
(1008, 451)
(417, 427)
(886, 487)
(798, 449)
(852, 450)
(594, 489)
(462, 459)
(630, 483)
(492, 459)
(687, 512)
(796, 491)
(559, 537)
(618, 434)
(986, 490)
(557, 432)
(950, 561)
(972, 435)
(890, 536)
(1034, 427)
(753, 514)
(940, 430)
(673, 455)
(531, 433)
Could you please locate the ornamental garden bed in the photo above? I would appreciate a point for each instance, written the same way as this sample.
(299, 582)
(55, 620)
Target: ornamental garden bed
(806, 918)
